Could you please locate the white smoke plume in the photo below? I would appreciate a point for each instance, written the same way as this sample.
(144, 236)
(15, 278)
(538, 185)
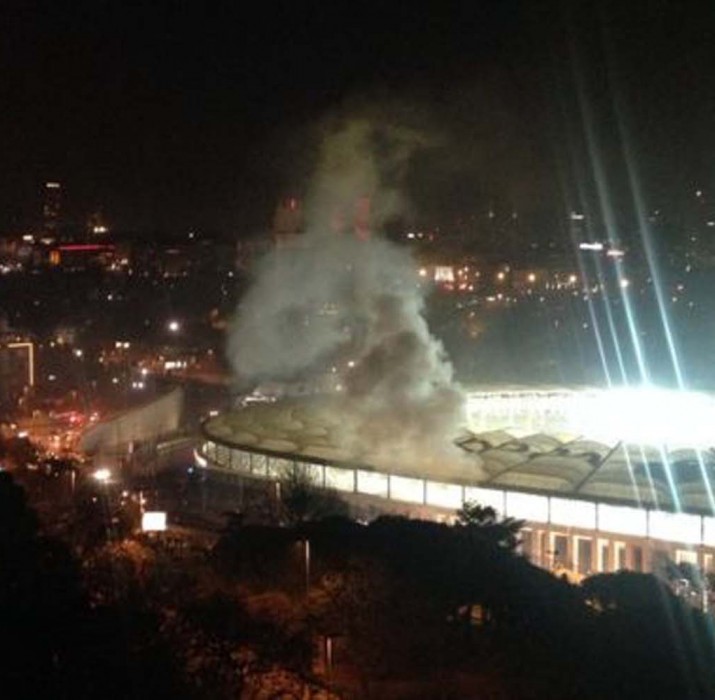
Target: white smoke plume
(356, 306)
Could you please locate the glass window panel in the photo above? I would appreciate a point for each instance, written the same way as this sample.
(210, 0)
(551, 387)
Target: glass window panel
(527, 506)
(279, 467)
(314, 472)
(444, 495)
(581, 514)
(674, 527)
(709, 531)
(260, 463)
(339, 479)
(623, 520)
(403, 488)
(242, 460)
(372, 483)
(486, 497)
(222, 455)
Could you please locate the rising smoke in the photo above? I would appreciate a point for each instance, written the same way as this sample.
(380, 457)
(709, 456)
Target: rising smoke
(355, 307)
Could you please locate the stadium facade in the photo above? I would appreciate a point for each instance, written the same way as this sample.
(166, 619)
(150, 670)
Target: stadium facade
(114, 438)
(604, 480)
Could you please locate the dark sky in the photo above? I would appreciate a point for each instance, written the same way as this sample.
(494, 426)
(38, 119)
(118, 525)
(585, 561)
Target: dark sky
(173, 115)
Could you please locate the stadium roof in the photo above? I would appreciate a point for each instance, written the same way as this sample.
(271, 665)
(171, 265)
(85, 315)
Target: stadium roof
(574, 466)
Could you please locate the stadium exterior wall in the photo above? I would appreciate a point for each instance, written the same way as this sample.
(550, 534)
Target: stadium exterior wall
(574, 535)
(147, 422)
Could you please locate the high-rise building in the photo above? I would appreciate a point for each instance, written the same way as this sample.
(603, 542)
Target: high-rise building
(52, 208)
(578, 227)
(96, 224)
(350, 218)
(287, 222)
(362, 218)
(17, 366)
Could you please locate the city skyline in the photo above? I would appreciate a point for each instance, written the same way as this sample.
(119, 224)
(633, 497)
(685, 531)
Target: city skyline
(170, 118)
(357, 350)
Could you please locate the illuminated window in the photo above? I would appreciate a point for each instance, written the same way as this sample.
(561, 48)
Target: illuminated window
(339, 479)
(686, 556)
(260, 463)
(623, 520)
(604, 563)
(573, 513)
(637, 558)
(279, 467)
(675, 527)
(709, 531)
(486, 497)
(526, 506)
(372, 483)
(404, 488)
(620, 551)
(444, 495)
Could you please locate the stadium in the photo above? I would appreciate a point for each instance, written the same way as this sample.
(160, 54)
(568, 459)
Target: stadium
(604, 479)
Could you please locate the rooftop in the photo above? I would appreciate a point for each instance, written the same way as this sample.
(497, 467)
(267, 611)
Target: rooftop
(508, 457)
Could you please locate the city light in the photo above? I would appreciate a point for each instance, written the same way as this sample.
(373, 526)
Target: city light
(154, 521)
(173, 326)
(200, 460)
(102, 475)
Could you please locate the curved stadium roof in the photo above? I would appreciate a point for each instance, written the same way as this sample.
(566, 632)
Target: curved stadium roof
(508, 457)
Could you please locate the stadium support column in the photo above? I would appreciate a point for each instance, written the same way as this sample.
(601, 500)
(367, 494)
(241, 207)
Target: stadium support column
(647, 556)
(538, 538)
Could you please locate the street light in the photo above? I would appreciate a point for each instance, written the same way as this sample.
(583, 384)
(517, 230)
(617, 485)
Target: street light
(103, 476)
(173, 326)
(306, 560)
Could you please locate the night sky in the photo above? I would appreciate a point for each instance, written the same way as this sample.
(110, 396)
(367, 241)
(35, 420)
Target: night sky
(172, 116)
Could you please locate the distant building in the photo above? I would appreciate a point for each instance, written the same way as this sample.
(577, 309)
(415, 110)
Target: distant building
(17, 367)
(52, 208)
(362, 218)
(353, 218)
(578, 227)
(82, 256)
(287, 222)
(96, 224)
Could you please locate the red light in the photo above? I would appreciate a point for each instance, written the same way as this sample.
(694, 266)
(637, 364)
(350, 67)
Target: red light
(84, 247)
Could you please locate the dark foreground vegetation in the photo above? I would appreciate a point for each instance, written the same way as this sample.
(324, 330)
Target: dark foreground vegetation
(328, 608)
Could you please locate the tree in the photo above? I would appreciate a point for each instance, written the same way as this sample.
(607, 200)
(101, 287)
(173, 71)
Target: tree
(40, 598)
(387, 627)
(18, 451)
(650, 642)
(484, 522)
(302, 499)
